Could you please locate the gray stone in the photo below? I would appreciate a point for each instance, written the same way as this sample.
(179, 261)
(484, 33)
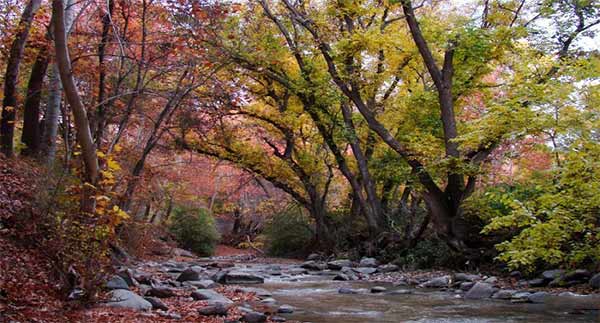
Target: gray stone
(117, 282)
(268, 300)
(313, 256)
(462, 277)
(578, 275)
(437, 282)
(127, 299)
(260, 292)
(365, 270)
(368, 262)
(341, 277)
(157, 304)
(339, 264)
(285, 309)
(504, 294)
(515, 274)
(182, 253)
(401, 292)
(128, 275)
(387, 268)
(491, 280)
(238, 277)
(520, 297)
(217, 309)
(550, 275)
(203, 284)
(278, 319)
(345, 290)
(160, 292)
(538, 297)
(378, 289)
(211, 296)
(312, 265)
(480, 291)
(172, 316)
(595, 281)
(538, 282)
(188, 274)
(254, 317)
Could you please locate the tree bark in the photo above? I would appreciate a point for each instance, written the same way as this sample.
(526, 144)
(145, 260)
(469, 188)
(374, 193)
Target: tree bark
(31, 115)
(84, 136)
(98, 121)
(11, 78)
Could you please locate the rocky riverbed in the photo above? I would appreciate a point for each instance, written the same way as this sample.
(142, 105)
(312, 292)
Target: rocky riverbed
(246, 289)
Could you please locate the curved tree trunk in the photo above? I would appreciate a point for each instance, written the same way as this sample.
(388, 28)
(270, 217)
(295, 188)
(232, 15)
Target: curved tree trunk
(84, 136)
(11, 78)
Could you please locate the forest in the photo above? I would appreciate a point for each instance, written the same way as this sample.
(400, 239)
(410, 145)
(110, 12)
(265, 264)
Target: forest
(150, 149)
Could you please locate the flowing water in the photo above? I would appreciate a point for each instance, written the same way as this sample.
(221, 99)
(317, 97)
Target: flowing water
(317, 300)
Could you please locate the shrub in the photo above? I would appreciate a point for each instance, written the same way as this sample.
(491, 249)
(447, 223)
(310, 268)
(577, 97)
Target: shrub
(289, 233)
(194, 229)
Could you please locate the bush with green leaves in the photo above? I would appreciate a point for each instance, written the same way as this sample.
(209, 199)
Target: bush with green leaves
(289, 233)
(194, 229)
(557, 223)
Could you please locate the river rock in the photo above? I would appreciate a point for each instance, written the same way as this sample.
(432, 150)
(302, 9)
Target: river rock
(345, 290)
(538, 282)
(491, 280)
(239, 277)
(127, 299)
(341, 277)
(339, 264)
(365, 270)
(387, 268)
(312, 265)
(211, 296)
(160, 292)
(378, 289)
(595, 281)
(128, 275)
(142, 277)
(577, 275)
(437, 282)
(538, 297)
(515, 274)
(520, 297)
(313, 257)
(189, 274)
(260, 292)
(117, 282)
(462, 277)
(178, 252)
(217, 309)
(202, 284)
(254, 317)
(504, 294)
(368, 262)
(401, 292)
(278, 319)
(157, 304)
(285, 309)
(480, 291)
(550, 275)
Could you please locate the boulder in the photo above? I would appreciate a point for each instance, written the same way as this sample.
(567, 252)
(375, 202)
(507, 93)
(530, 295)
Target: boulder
(254, 317)
(437, 282)
(462, 277)
(202, 284)
(117, 282)
(577, 275)
(378, 289)
(387, 268)
(238, 277)
(595, 281)
(368, 262)
(312, 265)
(550, 275)
(365, 270)
(188, 274)
(217, 309)
(515, 274)
(504, 294)
(339, 264)
(313, 257)
(160, 292)
(480, 291)
(285, 309)
(157, 304)
(211, 296)
(124, 298)
(491, 280)
(538, 297)
(538, 282)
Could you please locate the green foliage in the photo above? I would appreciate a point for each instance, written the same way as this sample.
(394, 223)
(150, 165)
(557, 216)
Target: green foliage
(430, 253)
(194, 229)
(289, 233)
(558, 224)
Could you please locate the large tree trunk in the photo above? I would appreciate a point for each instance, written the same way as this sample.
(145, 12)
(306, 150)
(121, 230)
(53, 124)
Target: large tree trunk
(48, 141)
(31, 115)
(84, 136)
(98, 121)
(11, 78)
